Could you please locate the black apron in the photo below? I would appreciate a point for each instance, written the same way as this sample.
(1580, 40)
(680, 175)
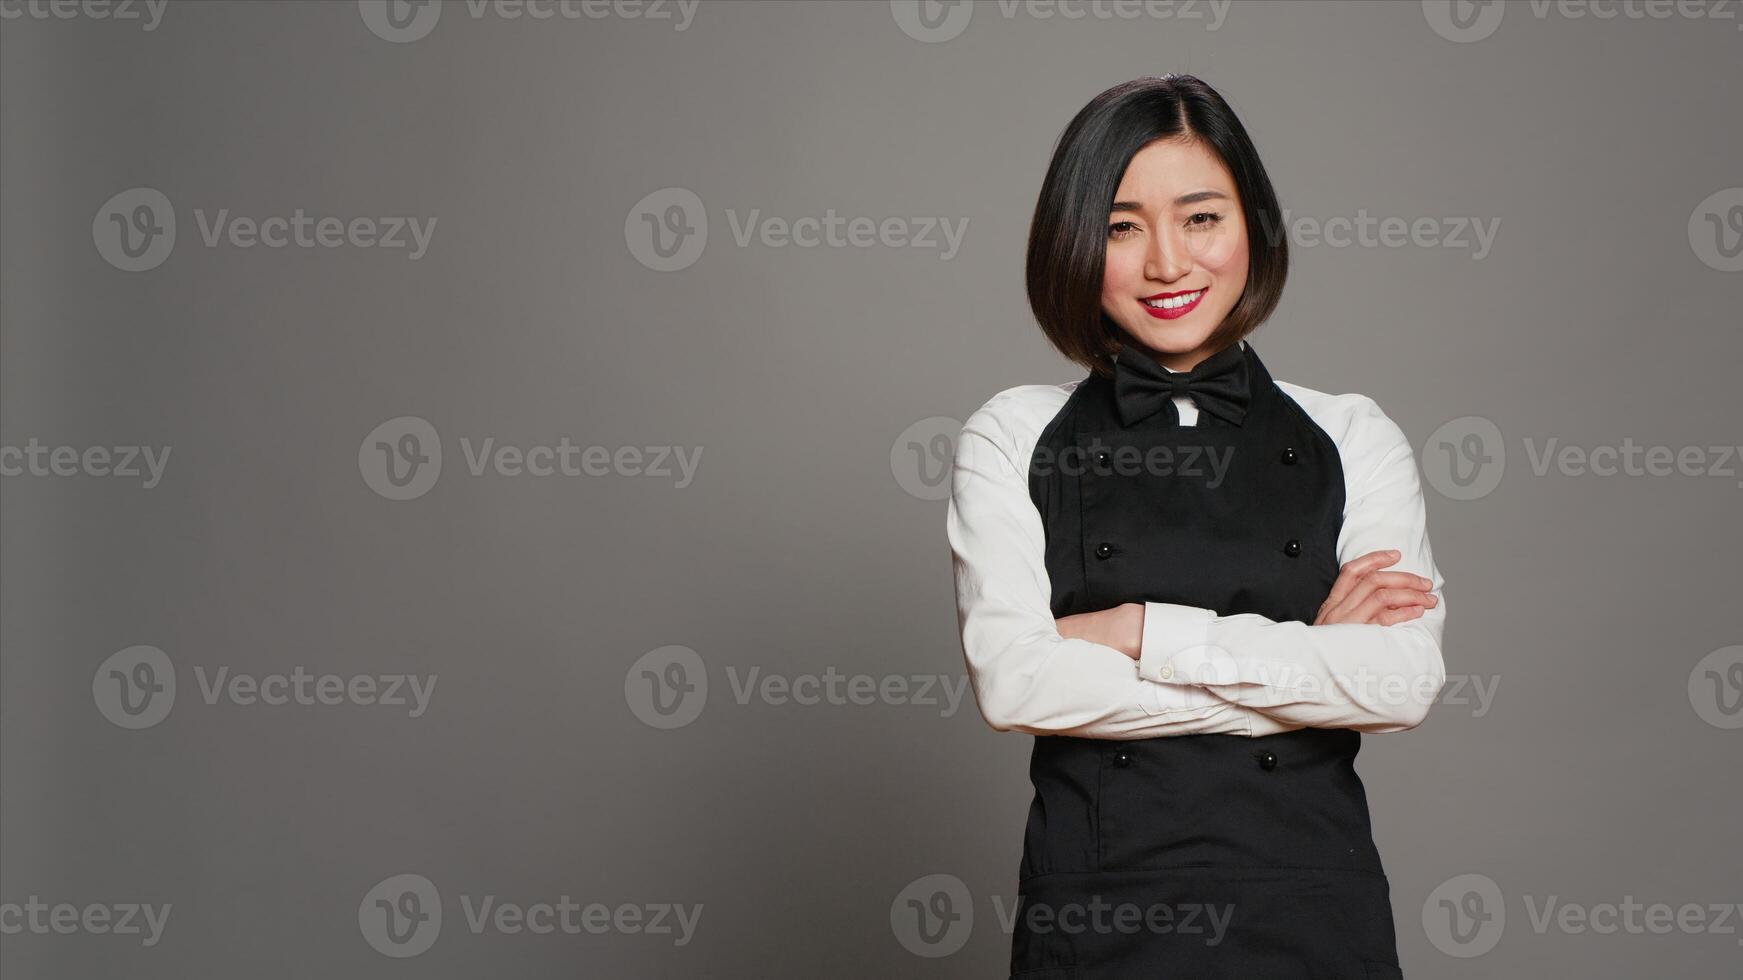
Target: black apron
(1235, 857)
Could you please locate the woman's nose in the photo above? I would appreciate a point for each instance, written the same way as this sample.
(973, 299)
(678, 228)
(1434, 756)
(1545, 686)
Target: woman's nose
(1168, 257)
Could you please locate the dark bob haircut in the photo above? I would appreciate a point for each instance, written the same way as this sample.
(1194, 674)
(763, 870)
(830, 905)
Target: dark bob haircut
(1068, 236)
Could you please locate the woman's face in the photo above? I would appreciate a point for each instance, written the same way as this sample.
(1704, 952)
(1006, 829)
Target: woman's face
(1177, 250)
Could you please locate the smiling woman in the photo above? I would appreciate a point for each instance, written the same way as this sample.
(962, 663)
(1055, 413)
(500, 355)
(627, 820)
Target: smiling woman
(1185, 184)
(1197, 658)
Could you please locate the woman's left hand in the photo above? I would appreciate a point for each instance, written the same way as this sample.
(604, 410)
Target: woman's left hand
(1121, 627)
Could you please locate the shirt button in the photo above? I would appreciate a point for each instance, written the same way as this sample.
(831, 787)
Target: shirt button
(1267, 760)
(1167, 671)
(1103, 550)
(1123, 758)
(1292, 547)
(1289, 456)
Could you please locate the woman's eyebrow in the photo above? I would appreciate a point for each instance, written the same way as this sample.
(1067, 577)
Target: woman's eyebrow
(1192, 198)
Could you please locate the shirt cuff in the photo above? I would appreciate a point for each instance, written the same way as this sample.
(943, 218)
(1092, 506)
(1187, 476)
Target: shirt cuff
(1176, 647)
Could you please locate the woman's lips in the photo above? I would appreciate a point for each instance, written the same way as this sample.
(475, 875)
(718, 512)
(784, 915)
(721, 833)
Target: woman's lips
(1172, 312)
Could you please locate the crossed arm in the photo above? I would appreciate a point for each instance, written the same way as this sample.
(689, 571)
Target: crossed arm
(1371, 661)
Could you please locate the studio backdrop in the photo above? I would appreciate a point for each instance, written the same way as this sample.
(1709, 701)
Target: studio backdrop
(475, 473)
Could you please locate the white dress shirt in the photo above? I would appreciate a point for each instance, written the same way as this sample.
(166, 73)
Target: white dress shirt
(1199, 672)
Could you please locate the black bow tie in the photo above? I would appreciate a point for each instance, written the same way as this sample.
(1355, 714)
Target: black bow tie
(1218, 385)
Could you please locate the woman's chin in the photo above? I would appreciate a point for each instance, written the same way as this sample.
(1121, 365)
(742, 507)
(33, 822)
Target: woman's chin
(1175, 337)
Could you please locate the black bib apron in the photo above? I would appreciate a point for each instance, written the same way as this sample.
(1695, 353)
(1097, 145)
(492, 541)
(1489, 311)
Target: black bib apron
(1234, 857)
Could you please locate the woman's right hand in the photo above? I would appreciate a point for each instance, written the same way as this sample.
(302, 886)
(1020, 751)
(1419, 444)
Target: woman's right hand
(1364, 594)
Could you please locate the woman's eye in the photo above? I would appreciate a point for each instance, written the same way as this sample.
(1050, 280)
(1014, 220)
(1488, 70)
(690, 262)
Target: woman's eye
(1120, 229)
(1203, 219)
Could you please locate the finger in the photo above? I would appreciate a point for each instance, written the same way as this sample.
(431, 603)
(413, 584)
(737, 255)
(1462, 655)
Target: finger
(1384, 599)
(1365, 590)
(1354, 570)
(1400, 580)
(1392, 617)
(1367, 584)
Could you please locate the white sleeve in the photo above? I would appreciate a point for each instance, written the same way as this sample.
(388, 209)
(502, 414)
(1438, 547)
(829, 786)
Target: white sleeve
(1025, 676)
(1366, 677)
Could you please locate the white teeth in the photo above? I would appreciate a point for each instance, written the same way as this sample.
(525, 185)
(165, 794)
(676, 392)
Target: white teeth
(1172, 302)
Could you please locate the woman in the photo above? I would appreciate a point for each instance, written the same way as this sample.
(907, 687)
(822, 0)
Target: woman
(1194, 584)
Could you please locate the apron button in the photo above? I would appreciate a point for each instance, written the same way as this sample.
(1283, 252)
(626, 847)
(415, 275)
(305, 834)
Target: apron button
(1267, 760)
(1122, 758)
(1103, 550)
(1289, 456)
(1102, 458)
(1292, 547)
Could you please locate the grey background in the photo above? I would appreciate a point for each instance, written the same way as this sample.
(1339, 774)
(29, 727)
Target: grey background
(1584, 601)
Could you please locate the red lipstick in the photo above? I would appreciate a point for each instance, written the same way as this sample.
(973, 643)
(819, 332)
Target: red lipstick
(1174, 313)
